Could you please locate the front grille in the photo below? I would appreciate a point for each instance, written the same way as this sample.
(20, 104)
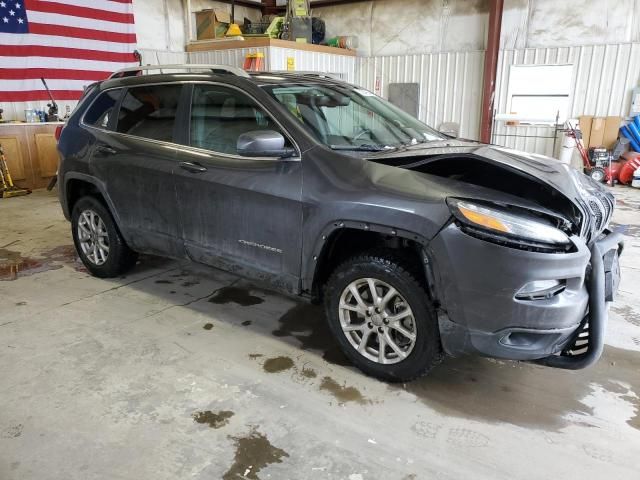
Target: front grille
(597, 211)
(600, 207)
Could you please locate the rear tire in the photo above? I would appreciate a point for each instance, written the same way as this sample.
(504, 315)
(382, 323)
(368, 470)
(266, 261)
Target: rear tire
(404, 322)
(98, 241)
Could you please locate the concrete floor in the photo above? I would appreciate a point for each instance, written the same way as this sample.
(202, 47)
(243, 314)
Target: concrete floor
(176, 371)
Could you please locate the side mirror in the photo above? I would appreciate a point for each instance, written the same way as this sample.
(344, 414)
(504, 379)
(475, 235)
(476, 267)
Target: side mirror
(263, 143)
(450, 128)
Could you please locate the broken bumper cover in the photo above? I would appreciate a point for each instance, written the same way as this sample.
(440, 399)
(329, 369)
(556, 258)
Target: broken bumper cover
(480, 286)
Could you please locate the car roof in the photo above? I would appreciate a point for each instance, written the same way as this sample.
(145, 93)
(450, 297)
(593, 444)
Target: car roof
(258, 78)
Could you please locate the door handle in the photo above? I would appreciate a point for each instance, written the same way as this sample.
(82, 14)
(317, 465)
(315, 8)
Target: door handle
(192, 167)
(106, 149)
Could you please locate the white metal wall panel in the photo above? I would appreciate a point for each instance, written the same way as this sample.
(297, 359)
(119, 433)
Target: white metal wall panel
(450, 84)
(342, 65)
(233, 57)
(603, 76)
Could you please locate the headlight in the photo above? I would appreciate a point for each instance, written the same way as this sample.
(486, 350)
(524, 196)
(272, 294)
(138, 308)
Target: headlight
(533, 231)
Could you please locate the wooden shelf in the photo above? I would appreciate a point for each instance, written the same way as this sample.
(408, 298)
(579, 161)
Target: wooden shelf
(257, 42)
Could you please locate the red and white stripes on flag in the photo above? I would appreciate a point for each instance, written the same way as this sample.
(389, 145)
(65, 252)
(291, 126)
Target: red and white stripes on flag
(69, 43)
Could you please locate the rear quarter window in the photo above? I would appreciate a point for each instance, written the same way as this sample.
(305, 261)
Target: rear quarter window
(101, 110)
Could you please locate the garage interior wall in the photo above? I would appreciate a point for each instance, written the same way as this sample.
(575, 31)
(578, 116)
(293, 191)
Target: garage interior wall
(600, 40)
(439, 44)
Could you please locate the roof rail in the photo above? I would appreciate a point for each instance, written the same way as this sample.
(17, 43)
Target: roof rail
(306, 73)
(134, 71)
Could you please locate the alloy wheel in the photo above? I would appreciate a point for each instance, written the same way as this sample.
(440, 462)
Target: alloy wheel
(377, 321)
(93, 237)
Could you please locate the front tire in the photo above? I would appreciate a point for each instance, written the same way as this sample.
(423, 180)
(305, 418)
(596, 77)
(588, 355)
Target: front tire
(97, 239)
(381, 316)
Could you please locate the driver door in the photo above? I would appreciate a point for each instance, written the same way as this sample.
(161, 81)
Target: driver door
(237, 213)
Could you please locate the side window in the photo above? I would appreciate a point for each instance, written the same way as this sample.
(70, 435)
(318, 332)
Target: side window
(219, 115)
(149, 111)
(101, 109)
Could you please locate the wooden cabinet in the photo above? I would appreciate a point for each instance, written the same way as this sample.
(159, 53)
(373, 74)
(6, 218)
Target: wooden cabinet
(31, 152)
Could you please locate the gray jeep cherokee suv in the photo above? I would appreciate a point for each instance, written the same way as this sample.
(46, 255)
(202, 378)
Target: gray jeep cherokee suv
(418, 243)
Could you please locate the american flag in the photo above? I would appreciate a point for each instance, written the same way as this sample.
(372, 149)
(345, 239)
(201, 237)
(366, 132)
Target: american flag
(69, 43)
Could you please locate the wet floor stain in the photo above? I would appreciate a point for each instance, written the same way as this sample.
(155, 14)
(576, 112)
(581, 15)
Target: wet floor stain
(13, 431)
(213, 419)
(629, 204)
(208, 326)
(14, 265)
(246, 323)
(164, 282)
(277, 364)
(253, 453)
(236, 295)
(628, 313)
(629, 230)
(342, 393)
(523, 394)
(307, 324)
(308, 372)
(190, 283)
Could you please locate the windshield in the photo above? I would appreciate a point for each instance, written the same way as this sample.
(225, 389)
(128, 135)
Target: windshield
(347, 118)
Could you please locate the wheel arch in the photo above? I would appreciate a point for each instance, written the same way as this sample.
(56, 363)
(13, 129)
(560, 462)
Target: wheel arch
(341, 239)
(78, 185)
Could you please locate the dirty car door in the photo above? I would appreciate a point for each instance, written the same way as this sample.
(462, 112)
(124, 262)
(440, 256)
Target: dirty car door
(136, 162)
(238, 213)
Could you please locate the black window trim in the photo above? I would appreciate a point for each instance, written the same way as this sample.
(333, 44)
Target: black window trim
(184, 127)
(116, 109)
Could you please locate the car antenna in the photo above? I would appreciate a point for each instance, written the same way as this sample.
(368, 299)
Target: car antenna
(52, 114)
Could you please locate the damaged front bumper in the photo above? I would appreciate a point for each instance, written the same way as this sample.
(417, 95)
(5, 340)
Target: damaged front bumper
(602, 284)
(514, 304)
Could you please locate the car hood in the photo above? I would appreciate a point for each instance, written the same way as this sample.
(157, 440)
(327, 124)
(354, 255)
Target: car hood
(538, 178)
(571, 183)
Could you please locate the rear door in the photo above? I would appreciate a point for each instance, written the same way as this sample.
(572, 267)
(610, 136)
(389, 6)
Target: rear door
(134, 155)
(238, 213)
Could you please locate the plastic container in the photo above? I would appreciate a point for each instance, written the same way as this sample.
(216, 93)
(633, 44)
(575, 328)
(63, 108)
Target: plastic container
(30, 115)
(636, 178)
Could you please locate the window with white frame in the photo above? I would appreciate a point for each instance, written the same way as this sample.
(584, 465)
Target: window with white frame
(539, 93)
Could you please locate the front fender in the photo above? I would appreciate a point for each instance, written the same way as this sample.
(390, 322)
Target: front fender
(310, 264)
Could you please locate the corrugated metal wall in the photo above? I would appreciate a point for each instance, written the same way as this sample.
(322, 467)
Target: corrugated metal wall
(603, 76)
(450, 84)
(234, 57)
(341, 65)
(276, 59)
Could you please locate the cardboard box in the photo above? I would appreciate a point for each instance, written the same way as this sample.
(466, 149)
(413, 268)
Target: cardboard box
(585, 127)
(212, 23)
(596, 136)
(611, 129)
(599, 131)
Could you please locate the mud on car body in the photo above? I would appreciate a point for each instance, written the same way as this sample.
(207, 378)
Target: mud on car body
(419, 244)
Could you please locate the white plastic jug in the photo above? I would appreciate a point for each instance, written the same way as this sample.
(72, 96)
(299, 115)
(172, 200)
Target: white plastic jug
(636, 178)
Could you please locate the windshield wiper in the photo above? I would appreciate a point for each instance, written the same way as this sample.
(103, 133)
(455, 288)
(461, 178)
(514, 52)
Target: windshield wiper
(365, 147)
